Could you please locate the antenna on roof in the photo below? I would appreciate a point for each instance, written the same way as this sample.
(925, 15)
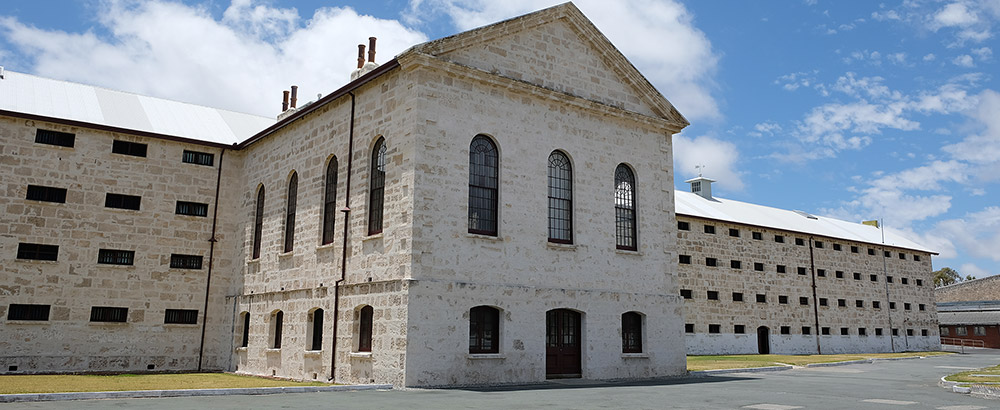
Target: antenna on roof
(700, 168)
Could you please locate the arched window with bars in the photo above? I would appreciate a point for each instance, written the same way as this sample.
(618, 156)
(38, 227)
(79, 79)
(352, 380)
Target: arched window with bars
(560, 198)
(376, 188)
(484, 178)
(625, 215)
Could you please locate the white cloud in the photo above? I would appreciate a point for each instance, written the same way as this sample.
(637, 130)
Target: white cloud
(682, 68)
(954, 15)
(241, 62)
(963, 60)
(930, 57)
(793, 81)
(719, 158)
(977, 233)
(984, 53)
(769, 128)
(967, 269)
(982, 148)
(897, 58)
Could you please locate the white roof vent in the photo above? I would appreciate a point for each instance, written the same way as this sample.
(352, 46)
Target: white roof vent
(701, 186)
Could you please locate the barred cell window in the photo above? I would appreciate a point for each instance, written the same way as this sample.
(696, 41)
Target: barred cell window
(824, 302)
(734, 232)
(135, 149)
(714, 328)
(878, 331)
(886, 254)
(783, 299)
(873, 277)
(859, 303)
(293, 192)
(689, 328)
(876, 304)
(761, 298)
(121, 201)
(713, 295)
(821, 273)
(839, 274)
(871, 251)
(845, 331)
(316, 330)
(560, 198)
(739, 329)
(806, 330)
(800, 242)
(818, 244)
(631, 332)
(62, 139)
(786, 330)
(484, 183)
(916, 258)
(710, 229)
(779, 238)
(684, 259)
(842, 302)
(737, 297)
(920, 282)
(198, 158)
(28, 312)
(837, 247)
(854, 249)
(625, 214)
(330, 202)
(735, 264)
(780, 269)
(803, 300)
(801, 270)
(857, 275)
(686, 293)
(178, 261)
(108, 314)
(683, 226)
(904, 281)
(862, 331)
(902, 256)
(921, 307)
(376, 187)
(758, 266)
(924, 332)
(181, 316)
(258, 223)
(116, 257)
(484, 329)
(711, 262)
(825, 331)
(37, 251)
(46, 194)
(191, 208)
(757, 236)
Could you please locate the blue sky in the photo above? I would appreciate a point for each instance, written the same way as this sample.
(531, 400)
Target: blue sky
(851, 109)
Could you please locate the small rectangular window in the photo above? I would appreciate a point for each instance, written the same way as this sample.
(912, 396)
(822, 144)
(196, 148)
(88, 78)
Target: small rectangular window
(859, 303)
(116, 257)
(739, 329)
(782, 299)
(892, 305)
(818, 244)
(108, 314)
(686, 293)
(711, 262)
(802, 270)
(761, 298)
(871, 251)
(959, 331)
(902, 256)
(844, 331)
(803, 300)
(185, 261)
(873, 277)
(876, 304)
(800, 242)
(842, 302)
(920, 282)
(685, 259)
(28, 312)
(921, 307)
(121, 201)
(824, 331)
(683, 226)
(839, 274)
(191, 208)
(779, 239)
(738, 297)
(735, 264)
(836, 247)
(888, 279)
(923, 332)
(786, 330)
(806, 330)
(886, 254)
(181, 316)
(906, 306)
(709, 229)
(895, 332)
(713, 295)
(37, 251)
(62, 139)
(714, 328)
(199, 158)
(757, 266)
(904, 281)
(689, 328)
(821, 273)
(757, 236)
(780, 268)
(862, 331)
(854, 249)
(909, 332)
(734, 232)
(823, 302)
(878, 331)
(944, 330)
(135, 149)
(857, 275)
(916, 258)
(46, 194)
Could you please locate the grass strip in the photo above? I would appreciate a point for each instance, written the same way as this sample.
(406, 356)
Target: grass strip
(986, 375)
(66, 383)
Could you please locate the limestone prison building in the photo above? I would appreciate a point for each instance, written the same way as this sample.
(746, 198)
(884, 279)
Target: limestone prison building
(491, 207)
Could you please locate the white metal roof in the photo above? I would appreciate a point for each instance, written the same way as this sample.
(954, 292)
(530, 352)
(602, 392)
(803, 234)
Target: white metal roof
(29, 94)
(690, 204)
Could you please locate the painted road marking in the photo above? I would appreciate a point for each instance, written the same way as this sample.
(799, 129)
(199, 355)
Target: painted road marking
(766, 406)
(961, 408)
(955, 367)
(896, 402)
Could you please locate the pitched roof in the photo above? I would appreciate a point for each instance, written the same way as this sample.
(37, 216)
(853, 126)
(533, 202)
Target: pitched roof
(690, 204)
(987, 317)
(589, 32)
(101, 107)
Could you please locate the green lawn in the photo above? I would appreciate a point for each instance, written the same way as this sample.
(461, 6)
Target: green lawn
(763, 360)
(82, 383)
(987, 375)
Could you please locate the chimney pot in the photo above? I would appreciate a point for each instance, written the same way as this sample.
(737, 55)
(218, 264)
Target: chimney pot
(295, 93)
(361, 55)
(371, 49)
(284, 101)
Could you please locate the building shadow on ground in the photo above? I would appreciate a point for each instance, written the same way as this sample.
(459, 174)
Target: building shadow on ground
(559, 384)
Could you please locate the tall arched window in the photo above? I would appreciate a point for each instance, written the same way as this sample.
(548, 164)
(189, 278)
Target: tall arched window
(293, 188)
(258, 222)
(276, 322)
(484, 165)
(246, 330)
(376, 191)
(484, 330)
(560, 198)
(330, 201)
(631, 332)
(625, 221)
(365, 329)
(316, 330)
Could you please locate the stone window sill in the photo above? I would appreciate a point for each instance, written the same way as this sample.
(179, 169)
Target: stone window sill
(486, 356)
(107, 323)
(627, 252)
(28, 322)
(561, 246)
(253, 262)
(272, 350)
(321, 248)
(285, 255)
(484, 237)
(374, 237)
(241, 349)
(37, 261)
(312, 353)
(635, 355)
(361, 355)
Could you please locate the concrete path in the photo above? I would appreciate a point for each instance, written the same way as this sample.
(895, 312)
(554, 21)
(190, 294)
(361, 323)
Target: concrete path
(903, 384)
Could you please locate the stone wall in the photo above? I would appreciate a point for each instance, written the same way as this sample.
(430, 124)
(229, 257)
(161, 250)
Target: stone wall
(987, 288)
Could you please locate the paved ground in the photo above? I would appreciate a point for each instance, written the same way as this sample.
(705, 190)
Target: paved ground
(904, 384)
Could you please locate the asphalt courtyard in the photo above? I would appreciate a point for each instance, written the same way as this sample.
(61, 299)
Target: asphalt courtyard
(902, 384)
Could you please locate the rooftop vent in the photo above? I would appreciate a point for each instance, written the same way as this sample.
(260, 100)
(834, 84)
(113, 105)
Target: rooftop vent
(805, 214)
(701, 186)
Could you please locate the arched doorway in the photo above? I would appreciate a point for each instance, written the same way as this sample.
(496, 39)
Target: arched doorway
(562, 344)
(763, 340)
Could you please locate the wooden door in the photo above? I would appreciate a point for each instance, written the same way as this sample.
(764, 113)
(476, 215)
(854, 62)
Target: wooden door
(562, 344)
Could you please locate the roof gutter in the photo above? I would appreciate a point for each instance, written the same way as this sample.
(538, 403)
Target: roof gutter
(351, 86)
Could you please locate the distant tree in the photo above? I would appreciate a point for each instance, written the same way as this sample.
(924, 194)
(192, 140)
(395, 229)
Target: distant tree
(946, 276)
(969, 277)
